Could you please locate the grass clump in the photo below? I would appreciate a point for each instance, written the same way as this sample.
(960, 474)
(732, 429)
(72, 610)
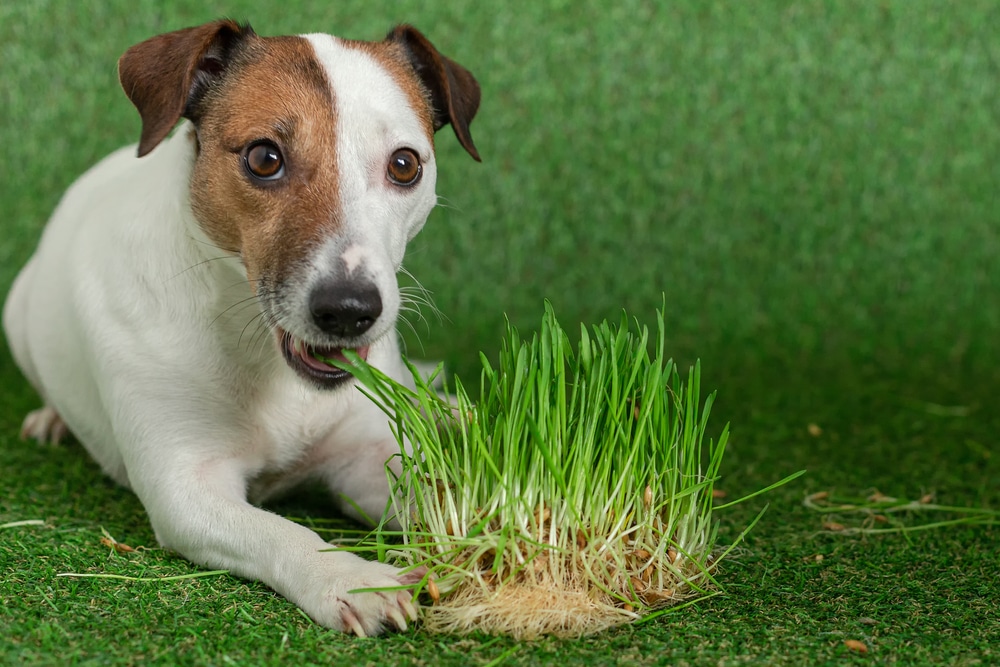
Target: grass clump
(575, 494)
(880, 514)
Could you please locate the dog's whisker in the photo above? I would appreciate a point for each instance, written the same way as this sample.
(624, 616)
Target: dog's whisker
(206, 242)
(406, 309)
(264, 324)
(242, 282)
(418, 302)
(444, 202)
(238, 306)
(405, 347)
(261, 322)
(417, 286)
(409, 325)
(254, 321)
(194, 266)
(416, 295)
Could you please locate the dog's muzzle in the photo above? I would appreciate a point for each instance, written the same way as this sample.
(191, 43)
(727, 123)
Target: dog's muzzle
(340, 311)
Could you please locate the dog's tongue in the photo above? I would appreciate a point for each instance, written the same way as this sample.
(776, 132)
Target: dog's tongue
(322, 358)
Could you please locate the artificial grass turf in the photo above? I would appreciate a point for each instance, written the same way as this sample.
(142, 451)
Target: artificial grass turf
(812, 187)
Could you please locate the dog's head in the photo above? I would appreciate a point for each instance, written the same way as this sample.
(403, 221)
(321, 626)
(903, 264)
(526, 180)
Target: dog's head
(314, 164)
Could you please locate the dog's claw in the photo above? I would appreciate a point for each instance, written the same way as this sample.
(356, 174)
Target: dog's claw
(352, 623)
(407, 605)
(397, 619)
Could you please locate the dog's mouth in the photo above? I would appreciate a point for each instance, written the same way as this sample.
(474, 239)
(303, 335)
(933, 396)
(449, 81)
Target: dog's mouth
(315, 363)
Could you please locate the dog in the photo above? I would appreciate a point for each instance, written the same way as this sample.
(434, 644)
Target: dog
(182, 308)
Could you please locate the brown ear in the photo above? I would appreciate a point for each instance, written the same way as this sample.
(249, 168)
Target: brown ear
(454, 91)
(162, 75)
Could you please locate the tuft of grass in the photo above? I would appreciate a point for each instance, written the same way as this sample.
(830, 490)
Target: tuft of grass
(575, 494)
(123, 577)
(880, 514)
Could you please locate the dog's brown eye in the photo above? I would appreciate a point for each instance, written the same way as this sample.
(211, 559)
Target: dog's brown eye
(404, 167)
(263, 160)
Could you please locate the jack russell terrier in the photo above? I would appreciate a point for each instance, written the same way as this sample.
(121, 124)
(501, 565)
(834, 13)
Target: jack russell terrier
(178, 310)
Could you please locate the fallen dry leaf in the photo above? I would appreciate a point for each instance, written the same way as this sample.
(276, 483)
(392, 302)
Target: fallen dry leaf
(833, 525)
(432, 590)
(856, 645)
(117, 546)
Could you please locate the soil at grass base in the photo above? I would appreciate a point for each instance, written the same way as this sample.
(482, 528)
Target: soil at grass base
(532, 607)
(523, 611)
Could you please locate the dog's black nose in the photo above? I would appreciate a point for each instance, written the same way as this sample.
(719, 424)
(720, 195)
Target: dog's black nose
(345, 309)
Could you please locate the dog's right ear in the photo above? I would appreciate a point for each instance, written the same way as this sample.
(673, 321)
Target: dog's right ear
(453, 90)
(164, 75)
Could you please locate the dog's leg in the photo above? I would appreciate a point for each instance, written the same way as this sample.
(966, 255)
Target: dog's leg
(15, 320)
(201, 512)
(360, 482)
(44, 425)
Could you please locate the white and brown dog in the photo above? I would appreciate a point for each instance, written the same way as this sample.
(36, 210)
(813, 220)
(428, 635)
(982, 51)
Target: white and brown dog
(178, 309)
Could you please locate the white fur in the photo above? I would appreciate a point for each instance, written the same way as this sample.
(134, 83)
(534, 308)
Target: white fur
(132, 327)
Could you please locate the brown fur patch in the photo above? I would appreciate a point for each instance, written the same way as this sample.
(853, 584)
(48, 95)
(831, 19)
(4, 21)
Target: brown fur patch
(275, 90)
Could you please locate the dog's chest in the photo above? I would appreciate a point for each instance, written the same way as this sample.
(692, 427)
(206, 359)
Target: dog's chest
(295, 425)
(289, 422)
(298, 435)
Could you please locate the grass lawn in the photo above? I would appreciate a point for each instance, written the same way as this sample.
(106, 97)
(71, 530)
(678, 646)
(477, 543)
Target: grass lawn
(813, 186)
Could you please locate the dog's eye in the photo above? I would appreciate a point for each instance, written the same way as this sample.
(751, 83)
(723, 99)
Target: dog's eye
(404, 167)
(263, 160)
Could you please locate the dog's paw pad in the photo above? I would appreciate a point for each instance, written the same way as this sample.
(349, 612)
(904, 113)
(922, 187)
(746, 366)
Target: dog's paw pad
(44, 425)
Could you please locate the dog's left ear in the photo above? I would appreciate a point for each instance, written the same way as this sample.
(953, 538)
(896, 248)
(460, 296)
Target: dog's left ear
(165, 75)
(454, 91)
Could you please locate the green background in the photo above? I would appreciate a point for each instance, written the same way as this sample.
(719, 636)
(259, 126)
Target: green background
(810, 186)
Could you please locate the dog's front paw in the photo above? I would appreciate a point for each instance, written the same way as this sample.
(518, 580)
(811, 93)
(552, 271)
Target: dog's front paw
(44, 425)
(354, 603)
